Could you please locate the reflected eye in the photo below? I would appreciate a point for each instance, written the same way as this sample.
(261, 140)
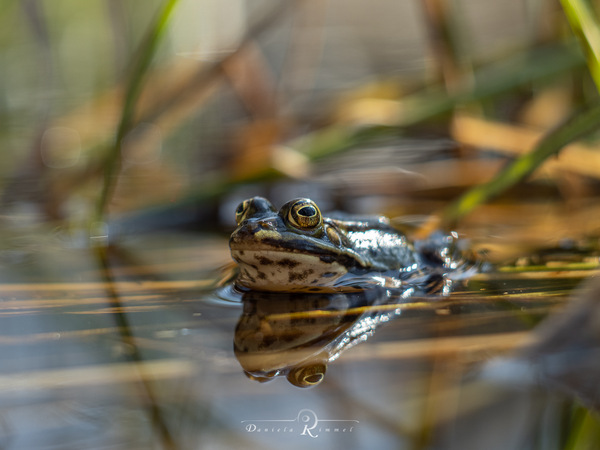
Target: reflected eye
(240, 211)
(305, 214)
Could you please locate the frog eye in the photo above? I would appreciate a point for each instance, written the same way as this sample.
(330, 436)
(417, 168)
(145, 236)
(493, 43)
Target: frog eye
(305, 214)
(308, 375)
(240, 211)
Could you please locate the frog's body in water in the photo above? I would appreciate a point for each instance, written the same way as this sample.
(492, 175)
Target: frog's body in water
(296, 249)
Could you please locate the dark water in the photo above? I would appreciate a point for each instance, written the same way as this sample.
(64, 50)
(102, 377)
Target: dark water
(133, 347)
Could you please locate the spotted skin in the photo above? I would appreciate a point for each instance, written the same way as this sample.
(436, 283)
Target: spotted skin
(296, 249)
(276, 271)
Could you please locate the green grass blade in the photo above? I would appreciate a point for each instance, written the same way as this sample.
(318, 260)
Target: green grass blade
(489, 82)
(575, 127)
(584, 431)
(584, 24)
(134, 89)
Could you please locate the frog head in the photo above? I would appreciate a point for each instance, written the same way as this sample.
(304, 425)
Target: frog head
(291, 249)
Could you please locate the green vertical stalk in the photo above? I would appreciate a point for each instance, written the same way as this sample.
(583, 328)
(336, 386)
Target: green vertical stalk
(134, 88)
(585, 25)
(583, 431)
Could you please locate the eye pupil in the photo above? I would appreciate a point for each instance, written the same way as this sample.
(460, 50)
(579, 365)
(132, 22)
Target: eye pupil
(307, 211)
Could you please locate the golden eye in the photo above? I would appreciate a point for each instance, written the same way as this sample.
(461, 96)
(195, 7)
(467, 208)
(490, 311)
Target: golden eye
(305, 214)
(240, 211)
(308, 375)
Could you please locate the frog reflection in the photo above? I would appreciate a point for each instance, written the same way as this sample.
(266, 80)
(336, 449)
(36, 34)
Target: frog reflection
(297, 335)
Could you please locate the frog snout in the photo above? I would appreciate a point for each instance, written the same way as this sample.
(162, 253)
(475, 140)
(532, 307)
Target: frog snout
(247, 231)
(260, 225)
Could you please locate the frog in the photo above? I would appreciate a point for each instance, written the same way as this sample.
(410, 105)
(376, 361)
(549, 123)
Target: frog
(297, 249)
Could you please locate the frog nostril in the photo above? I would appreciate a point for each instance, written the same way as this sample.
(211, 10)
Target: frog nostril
(259, 225)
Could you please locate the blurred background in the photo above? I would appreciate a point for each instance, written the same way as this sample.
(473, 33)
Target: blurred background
(129, 132)
(394, 107)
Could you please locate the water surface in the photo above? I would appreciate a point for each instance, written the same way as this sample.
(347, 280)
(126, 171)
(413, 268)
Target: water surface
(133, 346)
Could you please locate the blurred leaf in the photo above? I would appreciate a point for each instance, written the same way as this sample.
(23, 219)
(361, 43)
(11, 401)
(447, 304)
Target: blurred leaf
(585, 26)
(489, 81)
(578, 125)
(134, 88)
(584, 430)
